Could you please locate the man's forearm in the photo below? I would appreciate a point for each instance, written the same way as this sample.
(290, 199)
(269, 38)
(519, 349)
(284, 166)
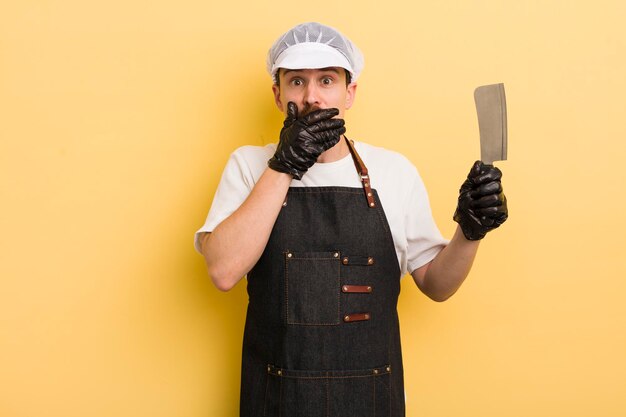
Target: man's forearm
(237, 243)
(445, 274)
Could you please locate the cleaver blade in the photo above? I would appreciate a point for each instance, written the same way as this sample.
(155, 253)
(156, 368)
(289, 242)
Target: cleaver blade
(491, 110)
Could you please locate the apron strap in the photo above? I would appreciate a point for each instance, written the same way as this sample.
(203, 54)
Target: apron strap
(361, 169)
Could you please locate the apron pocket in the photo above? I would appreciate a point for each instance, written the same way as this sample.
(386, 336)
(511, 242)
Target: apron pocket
(361, 393)
(312, 288)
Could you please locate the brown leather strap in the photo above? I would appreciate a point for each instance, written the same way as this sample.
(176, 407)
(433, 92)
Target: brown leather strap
(349, 318)
(363, 289)
(362, 170)
(358, 260)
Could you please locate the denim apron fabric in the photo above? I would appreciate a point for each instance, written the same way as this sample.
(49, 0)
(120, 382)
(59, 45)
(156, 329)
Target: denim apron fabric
(322, 335)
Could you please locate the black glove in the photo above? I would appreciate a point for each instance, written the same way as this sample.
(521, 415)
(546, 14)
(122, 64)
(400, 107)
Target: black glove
(303, 140)
(482, 204)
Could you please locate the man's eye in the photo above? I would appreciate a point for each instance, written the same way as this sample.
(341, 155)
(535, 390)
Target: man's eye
(297, 82)
(327, 81)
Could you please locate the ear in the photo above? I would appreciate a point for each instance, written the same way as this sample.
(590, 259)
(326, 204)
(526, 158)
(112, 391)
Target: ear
(276, 91)
(350, 95)
(277, 100)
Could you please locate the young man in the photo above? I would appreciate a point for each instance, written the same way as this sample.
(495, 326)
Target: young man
(324, 228)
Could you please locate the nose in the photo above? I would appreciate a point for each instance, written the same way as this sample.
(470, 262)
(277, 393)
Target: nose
(311, 94)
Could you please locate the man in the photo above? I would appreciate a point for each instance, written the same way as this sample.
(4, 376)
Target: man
(324, 229)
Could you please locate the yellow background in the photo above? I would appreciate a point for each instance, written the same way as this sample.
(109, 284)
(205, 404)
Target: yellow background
(116, 120)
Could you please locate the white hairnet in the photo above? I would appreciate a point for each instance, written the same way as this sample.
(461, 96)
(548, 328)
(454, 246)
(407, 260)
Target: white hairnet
(313, 45)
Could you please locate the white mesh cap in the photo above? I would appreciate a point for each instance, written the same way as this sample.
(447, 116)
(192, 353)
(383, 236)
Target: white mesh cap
(313, 45)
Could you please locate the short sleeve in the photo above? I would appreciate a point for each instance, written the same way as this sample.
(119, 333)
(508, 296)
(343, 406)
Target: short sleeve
(242, 170)
(424, 240)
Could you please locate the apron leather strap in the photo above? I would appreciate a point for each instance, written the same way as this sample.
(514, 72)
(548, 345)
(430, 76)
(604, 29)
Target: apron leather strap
(362, 171)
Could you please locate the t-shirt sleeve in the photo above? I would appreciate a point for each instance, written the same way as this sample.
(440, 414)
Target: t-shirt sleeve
(233, 189)
(424, 240)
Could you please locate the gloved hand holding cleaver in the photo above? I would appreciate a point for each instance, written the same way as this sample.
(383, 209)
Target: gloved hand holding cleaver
(482, 204)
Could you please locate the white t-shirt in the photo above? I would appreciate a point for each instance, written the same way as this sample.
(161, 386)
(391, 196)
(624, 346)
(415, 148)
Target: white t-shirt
(401, 191)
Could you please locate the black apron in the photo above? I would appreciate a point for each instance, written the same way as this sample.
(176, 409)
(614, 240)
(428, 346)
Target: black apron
(322, 335)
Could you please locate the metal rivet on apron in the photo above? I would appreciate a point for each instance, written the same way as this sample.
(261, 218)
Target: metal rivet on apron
(279, 372)
(284, 203)
(370, 261)
(345, 288)
(366, 184)
(345, 261)
(367, 316)
(289, 255)
(369, 289)
(269, 368)
(388, 369)
(369, 194)
(346, 318)
(336, 254)
(375, 371)
(372, 204)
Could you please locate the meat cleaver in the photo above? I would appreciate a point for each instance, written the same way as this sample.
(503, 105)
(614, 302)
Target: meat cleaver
(491, 110)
